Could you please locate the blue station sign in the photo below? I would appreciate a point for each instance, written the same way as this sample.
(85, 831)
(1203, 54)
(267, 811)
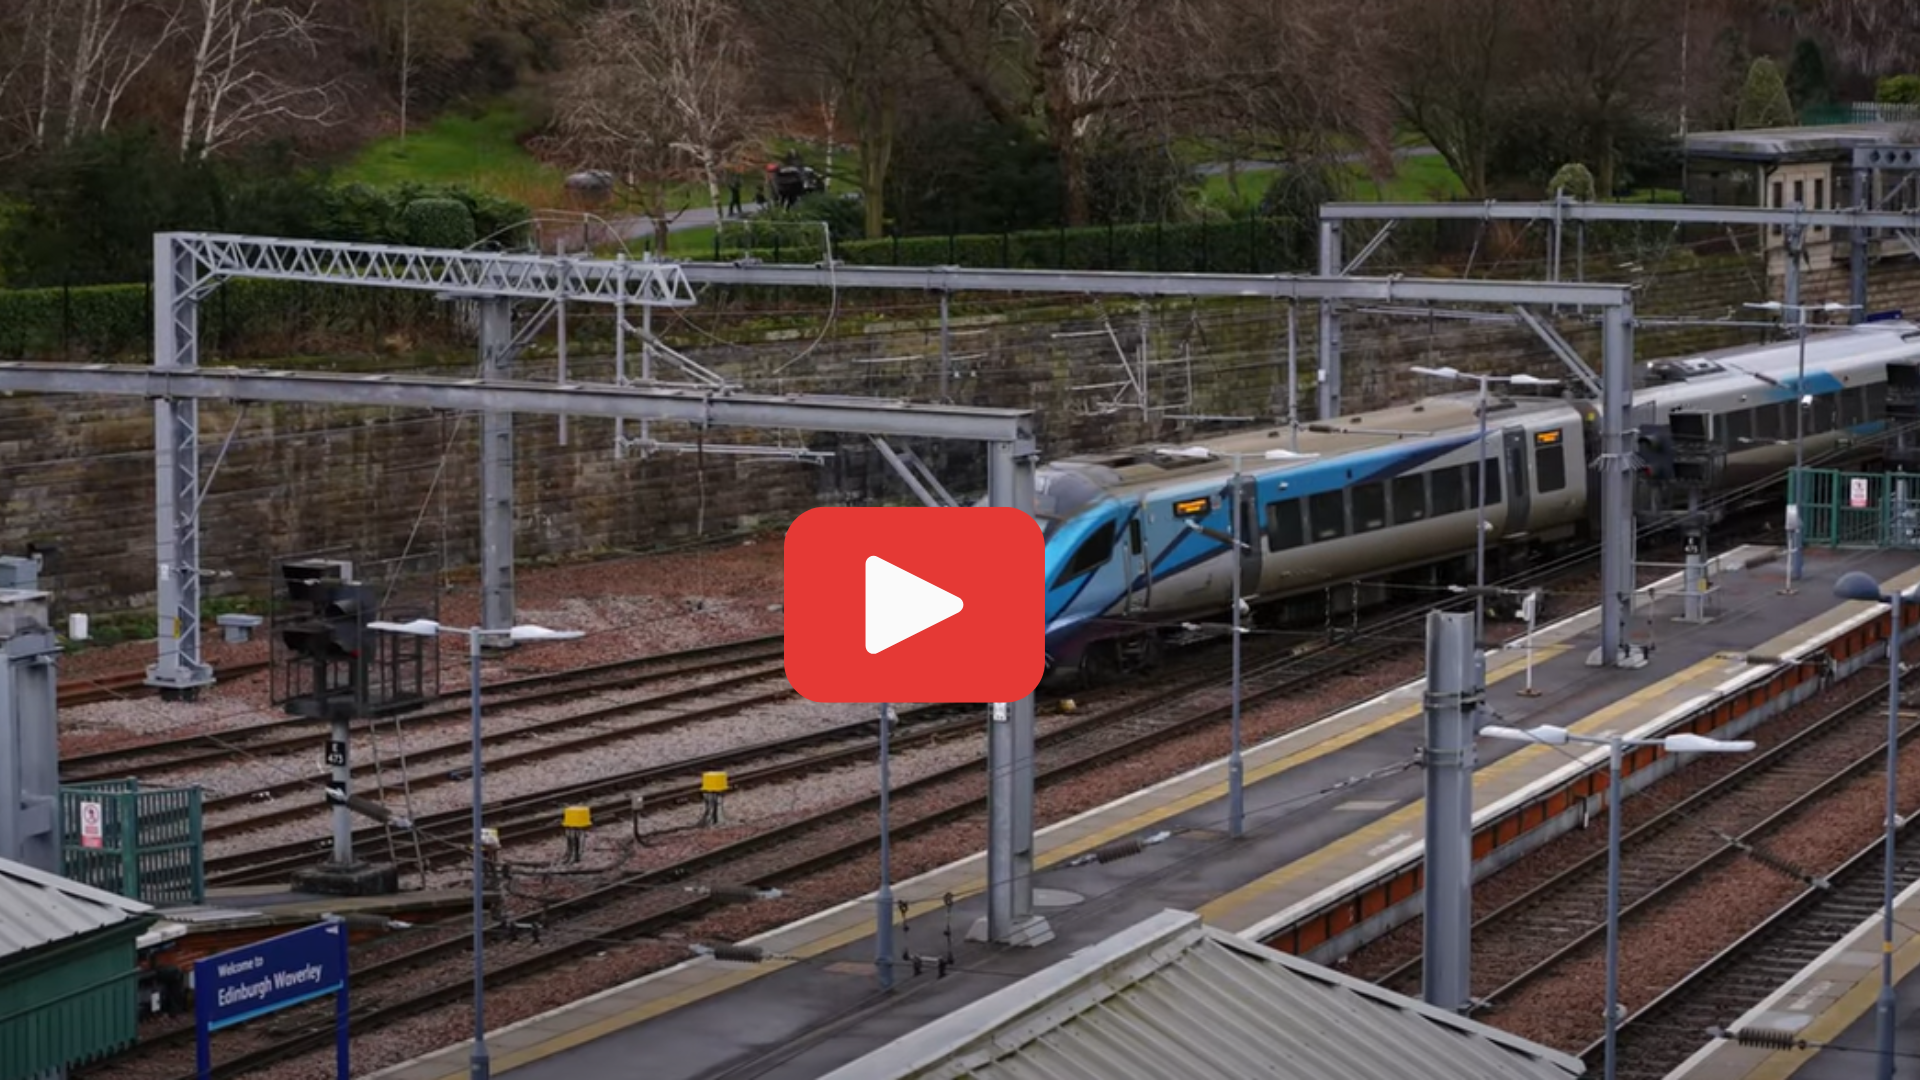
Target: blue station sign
(267, 976)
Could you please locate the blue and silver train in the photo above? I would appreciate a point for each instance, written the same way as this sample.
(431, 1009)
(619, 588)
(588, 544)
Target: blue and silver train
(1139, 540)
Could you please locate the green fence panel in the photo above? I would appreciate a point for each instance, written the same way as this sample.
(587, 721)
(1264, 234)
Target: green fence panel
(142, 844)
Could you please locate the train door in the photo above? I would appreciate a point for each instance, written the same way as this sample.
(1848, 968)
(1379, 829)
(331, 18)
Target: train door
(1138, 567)
(1519, 486)
(1247, 528)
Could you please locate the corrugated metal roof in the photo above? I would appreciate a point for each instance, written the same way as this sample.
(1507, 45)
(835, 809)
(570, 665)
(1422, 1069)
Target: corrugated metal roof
(1173, 999)
(38, 908)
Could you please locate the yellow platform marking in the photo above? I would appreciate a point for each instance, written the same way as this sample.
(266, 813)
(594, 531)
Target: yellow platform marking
(1831, 1023)
(1408, 818)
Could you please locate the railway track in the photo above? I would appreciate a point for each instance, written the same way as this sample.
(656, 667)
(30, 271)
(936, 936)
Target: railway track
(1661, 1034)
(295, 733)
(1537, 936)
(650, 903)
(130, 684)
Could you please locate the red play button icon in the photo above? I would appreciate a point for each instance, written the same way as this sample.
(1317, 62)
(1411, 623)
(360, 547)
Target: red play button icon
(913, 604)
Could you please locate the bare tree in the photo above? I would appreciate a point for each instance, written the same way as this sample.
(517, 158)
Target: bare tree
(247, 55)
(863, 51)
(1457, 61)
(1599, 66)
(67, 65)
(655, 94)
(1880, 37)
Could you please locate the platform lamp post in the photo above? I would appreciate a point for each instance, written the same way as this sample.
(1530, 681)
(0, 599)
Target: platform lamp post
(1855, 585)
(1803, 401)
(479, 1066)
(1549, 735)
(1236, 793)
(1480, 520)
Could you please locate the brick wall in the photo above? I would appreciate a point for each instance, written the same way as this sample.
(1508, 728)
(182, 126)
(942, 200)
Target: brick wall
(298, 479)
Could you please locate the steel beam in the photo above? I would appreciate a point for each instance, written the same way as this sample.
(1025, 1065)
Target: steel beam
(496, 473)
(1010, 736)
(860, 416)
(1616, 489)
(176, 464)
(214, 257)
(1653, 213)
(1561, 347)
(1127, 283)
(1328, 401)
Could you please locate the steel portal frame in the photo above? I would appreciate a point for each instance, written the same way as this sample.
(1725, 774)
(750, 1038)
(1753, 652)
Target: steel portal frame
(189, 266)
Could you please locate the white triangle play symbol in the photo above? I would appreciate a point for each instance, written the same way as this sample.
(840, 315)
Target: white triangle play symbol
(900, 605)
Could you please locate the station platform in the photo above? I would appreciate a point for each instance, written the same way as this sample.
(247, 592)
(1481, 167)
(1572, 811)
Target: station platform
(1831, 1003)
(1333, 818)
(233, 917)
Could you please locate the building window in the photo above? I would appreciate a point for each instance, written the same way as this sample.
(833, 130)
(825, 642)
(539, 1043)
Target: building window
(1779, 201)
(1819, 193)
(1800, 193)
(1094, 552)
(1285, 527)
(1409, 498)
(1550, 467)
(1328, 513)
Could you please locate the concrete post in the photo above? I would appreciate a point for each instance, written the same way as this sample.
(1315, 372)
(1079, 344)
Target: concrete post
(1456, 676)
(29, 738)
(1696, 572)
(1616, 488)
(1862, 199)
(496, 473)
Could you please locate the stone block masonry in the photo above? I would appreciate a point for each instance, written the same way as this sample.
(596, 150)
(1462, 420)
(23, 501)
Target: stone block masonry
(299, 479)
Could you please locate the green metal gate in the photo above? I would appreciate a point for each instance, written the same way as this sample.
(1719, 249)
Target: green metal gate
(140, 844)
(1857, 509)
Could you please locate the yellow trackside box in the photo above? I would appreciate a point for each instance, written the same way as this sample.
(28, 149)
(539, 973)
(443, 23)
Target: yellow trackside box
(577, 817)
(713, 782)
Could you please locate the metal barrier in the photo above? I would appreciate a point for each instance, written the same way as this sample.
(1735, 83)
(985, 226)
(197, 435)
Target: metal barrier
(145, 845)
(1857, 509)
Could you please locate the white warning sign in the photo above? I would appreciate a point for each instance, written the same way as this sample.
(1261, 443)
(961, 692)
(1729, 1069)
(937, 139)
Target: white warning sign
(92, 831)
(1857, 492)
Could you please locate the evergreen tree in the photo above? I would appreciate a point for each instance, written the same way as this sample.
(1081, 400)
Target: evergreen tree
(1807, 80)
(1763, 100)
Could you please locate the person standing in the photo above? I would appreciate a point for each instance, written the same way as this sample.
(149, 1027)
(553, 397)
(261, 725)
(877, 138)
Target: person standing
(733, 195)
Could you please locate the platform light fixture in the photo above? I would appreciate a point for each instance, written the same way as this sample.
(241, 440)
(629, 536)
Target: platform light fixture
(1857, 585)
(1550, 735)
(1236, 768)
(479, 1066)
(1480, 531)
(1795, 557)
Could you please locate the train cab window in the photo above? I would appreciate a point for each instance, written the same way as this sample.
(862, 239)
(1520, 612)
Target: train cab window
(1285, 527)
(1328, 513)
(1550, 466)
(1449, 492)
(1739, 427)
(1472, 473)
(1409, 498)
(1094, 552)
(1369, 507)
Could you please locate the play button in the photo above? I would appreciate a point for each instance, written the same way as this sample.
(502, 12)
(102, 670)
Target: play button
(900, 605)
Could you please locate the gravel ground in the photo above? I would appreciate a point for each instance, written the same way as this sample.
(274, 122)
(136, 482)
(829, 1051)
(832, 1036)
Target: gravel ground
(616, 753)
(629, 607)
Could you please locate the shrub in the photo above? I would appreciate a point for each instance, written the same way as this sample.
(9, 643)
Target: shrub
(1573, 178)
(438, 222)
(1898, 90)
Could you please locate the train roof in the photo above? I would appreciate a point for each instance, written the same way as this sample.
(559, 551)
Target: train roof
(1147, 465)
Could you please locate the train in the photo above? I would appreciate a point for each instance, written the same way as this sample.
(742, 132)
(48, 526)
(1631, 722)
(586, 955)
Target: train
(1337, 515)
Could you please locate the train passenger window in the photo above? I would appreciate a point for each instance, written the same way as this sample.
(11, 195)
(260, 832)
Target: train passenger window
(1877, 401)
(1766, 422)
(1094, 552)
(1449, 492)
(1820, 417)
(1739, 426)
(1285, 527)
(1328, 513)
(1853, 406)
(1550, 466)
(1369, 507)
(1409, 498)
(1473, 482)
